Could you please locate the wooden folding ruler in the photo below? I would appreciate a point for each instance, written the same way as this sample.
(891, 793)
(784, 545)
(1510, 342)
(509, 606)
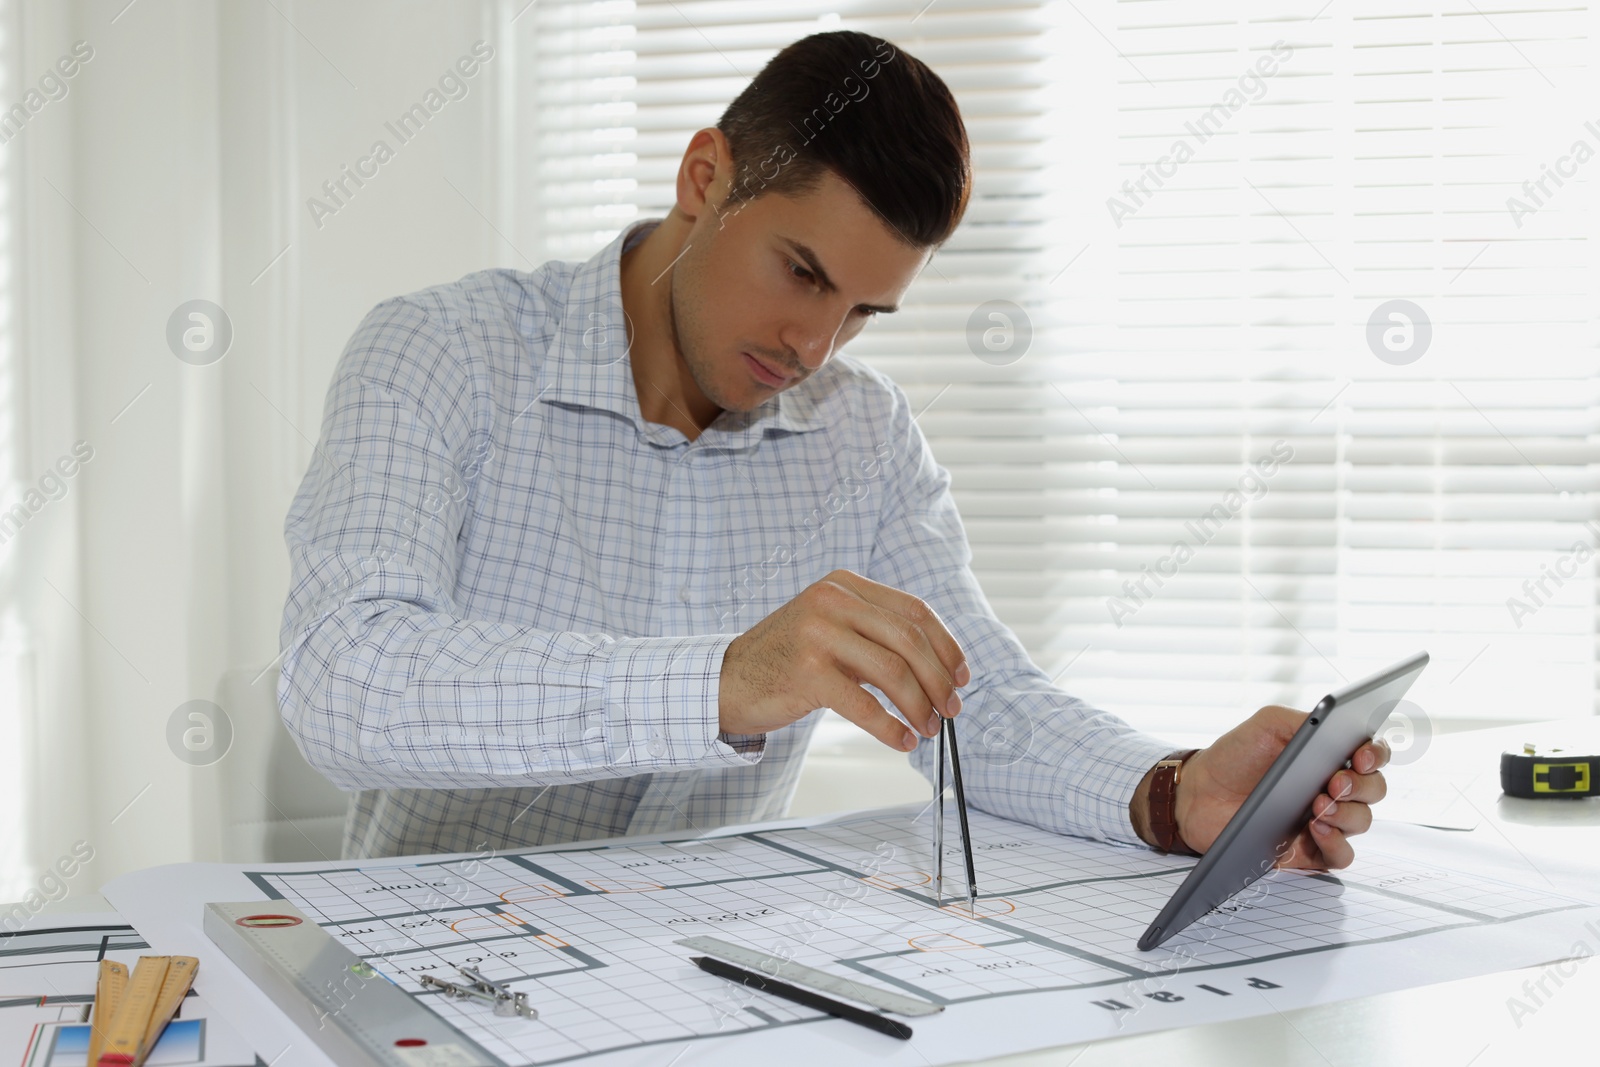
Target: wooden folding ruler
(130, 1013)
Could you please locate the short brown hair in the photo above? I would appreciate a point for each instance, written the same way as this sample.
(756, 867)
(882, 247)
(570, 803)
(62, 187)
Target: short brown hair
(853, 104)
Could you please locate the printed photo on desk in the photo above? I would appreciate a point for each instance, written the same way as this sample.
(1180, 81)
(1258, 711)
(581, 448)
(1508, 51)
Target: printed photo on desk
(47, 987)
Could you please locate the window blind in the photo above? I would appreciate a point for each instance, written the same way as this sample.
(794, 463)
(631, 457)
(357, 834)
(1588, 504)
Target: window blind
(1341, 160)
(1207, 484)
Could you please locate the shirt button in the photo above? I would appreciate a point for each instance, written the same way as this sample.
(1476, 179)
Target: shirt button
(657, 746)
(683, 593)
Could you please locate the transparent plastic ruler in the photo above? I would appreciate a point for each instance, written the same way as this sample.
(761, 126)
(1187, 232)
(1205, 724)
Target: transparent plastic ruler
(811, 978)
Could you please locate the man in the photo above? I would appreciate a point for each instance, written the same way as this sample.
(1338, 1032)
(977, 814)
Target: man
(586, 551)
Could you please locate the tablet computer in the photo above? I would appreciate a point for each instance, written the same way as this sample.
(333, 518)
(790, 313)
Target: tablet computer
(1280, 804)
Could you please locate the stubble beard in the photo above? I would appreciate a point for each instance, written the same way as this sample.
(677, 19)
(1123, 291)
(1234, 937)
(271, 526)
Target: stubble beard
(700, 369)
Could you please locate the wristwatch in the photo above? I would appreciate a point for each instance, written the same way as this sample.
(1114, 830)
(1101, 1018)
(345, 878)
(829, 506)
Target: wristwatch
(1164, 804)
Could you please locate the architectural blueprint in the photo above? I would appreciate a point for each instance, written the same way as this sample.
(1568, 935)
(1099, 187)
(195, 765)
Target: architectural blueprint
(47, 983)
(1048, 958)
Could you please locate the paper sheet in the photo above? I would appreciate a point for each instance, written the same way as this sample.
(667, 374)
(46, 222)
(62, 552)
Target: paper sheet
(47, 983)
(1049, 959)
(1427, 797)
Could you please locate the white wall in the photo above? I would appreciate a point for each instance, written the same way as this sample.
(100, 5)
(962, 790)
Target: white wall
(41, 570)
(293, 116)
(143, 173)
(184, 156)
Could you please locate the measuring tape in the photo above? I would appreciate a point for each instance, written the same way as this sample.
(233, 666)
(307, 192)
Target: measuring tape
(1538, 773)
(131, 1012)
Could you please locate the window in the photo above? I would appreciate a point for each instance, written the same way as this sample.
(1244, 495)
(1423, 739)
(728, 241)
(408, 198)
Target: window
(1227, 470)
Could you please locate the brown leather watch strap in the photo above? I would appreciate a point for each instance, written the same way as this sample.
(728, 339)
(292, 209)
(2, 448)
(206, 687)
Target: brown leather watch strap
(1164, 804)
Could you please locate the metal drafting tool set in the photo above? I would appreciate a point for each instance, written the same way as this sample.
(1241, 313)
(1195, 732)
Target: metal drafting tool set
(947, 739)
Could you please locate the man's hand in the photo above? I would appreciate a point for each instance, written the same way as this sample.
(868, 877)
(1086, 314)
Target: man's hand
(1216, 780)
(820, 648)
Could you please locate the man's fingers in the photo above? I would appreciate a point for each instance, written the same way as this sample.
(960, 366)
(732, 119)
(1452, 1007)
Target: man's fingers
(1371, 756)
(1362, 788)
(1349, 817)
(1301, 853)
(912, 647)
(857, 705)
(1318, 847)
(863, 660)
(1337, 852)
(909, 609)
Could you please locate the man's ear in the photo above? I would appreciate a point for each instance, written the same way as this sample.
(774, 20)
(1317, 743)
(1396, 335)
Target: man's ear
(705, 173)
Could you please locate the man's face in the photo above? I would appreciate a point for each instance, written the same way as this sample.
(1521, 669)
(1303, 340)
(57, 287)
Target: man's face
(778, 284)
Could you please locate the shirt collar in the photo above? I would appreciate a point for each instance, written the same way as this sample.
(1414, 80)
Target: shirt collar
(587, 364)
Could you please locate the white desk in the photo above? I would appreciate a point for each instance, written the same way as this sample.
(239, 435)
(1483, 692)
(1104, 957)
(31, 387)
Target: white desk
(1448, 1025)
(1453, 1024)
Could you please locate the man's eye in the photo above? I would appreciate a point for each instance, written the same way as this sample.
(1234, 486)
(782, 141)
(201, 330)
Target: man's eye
(798, 271)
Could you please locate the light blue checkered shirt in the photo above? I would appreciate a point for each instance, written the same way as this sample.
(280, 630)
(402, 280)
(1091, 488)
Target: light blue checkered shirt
(510, 594)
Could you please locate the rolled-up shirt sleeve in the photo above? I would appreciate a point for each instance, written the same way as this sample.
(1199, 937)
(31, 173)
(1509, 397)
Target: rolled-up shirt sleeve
(384, 683)
(1029, 750)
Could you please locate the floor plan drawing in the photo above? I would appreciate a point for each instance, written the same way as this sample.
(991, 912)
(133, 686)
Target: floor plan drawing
(589, 932)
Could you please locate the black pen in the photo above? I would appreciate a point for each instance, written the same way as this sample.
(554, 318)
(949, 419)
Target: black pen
(873, 1020)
